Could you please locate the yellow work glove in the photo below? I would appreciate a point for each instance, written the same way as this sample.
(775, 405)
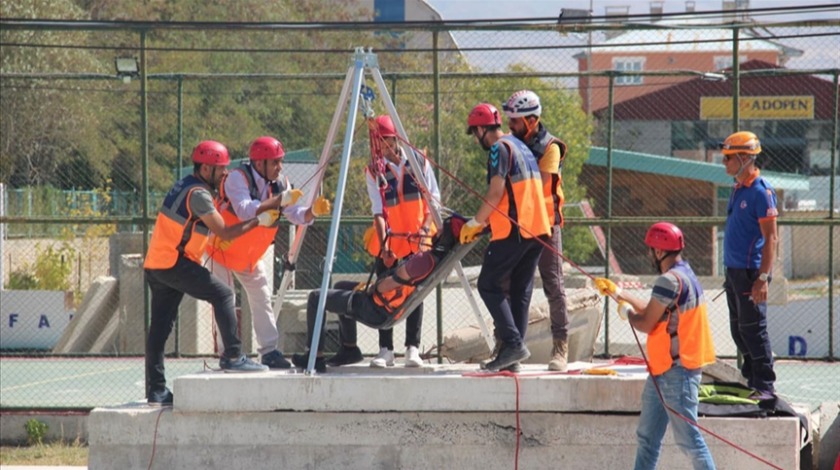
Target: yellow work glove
(624, 309)
(360, 287)
(220, 244)
(470, 231)
(321, 206)
(290, 196)
(268, 217)
(607, 287)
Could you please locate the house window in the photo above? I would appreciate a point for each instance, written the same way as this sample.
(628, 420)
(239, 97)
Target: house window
(628, 64)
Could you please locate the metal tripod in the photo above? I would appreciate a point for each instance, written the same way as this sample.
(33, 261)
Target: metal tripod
(362, 61)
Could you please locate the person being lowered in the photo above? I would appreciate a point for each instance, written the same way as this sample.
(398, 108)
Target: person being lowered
(378, 304)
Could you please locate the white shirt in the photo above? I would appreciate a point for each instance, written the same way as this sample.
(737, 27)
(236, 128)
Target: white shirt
(236, 190)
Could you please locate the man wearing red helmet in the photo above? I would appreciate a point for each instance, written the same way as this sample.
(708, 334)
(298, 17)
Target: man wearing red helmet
(679, 344)
(173, 267)
(523, 111)
(749, 248)
(400, 215)
(251, 189)
(514, 209)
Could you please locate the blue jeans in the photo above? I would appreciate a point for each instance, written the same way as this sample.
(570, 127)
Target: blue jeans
(679, 390)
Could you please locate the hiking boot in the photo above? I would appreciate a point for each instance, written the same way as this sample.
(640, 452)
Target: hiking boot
(275, 360)
(384, 359)
(346, 355)
(240, 364)
(496, 348)
(508, 355)
(412, 357)
(515, 368)
(302, 360)
(164, 398)
(559, 355)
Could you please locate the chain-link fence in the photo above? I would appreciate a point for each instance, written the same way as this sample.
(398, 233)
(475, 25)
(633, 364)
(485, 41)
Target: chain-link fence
(88, 154)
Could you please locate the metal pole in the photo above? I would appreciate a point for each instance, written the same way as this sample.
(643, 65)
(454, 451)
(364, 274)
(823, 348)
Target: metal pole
(831, 188)
(436, 131)
(337, 205)
(608, 243)
(144, 144)
(736, 81)
(2, 233)
(180, 126)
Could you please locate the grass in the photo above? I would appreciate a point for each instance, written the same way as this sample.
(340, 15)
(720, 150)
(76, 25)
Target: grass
(54, 453)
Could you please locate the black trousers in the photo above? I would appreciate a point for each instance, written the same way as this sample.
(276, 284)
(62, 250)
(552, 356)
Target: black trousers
(351, 307)
(168, 287)
(413, 324)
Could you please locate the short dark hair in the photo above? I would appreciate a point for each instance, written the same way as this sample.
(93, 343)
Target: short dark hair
(197, 167)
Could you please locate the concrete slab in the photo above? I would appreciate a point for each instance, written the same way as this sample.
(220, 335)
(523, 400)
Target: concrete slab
(426, 389)
(390, 440)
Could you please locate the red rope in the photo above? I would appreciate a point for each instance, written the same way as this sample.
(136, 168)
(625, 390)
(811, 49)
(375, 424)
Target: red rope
(154, 438)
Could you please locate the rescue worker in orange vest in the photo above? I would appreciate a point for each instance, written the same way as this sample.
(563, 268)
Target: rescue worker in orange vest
(248, 190)
(378, 303)
(679, 344)
(401, 222)
(173, 267)
(514, 209)
(523, 110)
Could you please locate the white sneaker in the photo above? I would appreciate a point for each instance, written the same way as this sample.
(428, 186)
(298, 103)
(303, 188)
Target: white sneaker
(412, 357)
(384, 359)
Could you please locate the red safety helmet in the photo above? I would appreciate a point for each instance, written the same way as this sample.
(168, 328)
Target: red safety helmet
(665, 236)
(266, 148)
(386, 126)
(210, 152)
(483, 114)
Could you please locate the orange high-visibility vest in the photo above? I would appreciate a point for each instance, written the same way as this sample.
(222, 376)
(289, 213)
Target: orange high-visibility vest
(683, 332)
(523, 200)
(553, 188)
(244, 252)
(177, 230)
(392, 300)
(406, 209)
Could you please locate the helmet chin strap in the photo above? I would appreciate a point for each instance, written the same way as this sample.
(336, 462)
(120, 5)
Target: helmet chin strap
(743, 165)
(657, 263)
(529, 130)
(210, 183)
(481, 139)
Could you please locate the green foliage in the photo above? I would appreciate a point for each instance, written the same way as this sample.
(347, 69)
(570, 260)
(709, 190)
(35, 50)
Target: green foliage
(22, 279)
(36, 431)
(51, 270)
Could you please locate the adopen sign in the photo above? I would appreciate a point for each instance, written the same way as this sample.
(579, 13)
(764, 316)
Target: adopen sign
(32, 319)
(758, 107)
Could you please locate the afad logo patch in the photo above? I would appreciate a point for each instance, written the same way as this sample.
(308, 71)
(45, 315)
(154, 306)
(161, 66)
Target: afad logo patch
(743, 204)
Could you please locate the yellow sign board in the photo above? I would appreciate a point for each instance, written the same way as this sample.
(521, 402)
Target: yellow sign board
(758, 107)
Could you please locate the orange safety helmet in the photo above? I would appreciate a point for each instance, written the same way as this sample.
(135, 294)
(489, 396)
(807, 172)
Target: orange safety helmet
(741, 142)
(266, 148)
(665, 236)
(210, 152)
(386, 126)
(483, 114)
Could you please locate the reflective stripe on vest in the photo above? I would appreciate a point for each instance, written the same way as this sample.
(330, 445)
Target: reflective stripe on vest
(244, 252)
(553, 188)
(523, 184)
(406, 211)
(684, 330)
(177, 230)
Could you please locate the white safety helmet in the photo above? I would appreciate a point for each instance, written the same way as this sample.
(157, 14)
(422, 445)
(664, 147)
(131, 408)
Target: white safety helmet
(522, 103)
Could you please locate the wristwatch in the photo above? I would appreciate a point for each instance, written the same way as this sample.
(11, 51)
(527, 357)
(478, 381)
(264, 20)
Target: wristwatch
(764, 276)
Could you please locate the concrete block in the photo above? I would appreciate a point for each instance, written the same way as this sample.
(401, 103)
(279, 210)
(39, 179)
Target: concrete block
(315, 426)
(131, 308)
(584, 310)
(827, 439)
(98, 307)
